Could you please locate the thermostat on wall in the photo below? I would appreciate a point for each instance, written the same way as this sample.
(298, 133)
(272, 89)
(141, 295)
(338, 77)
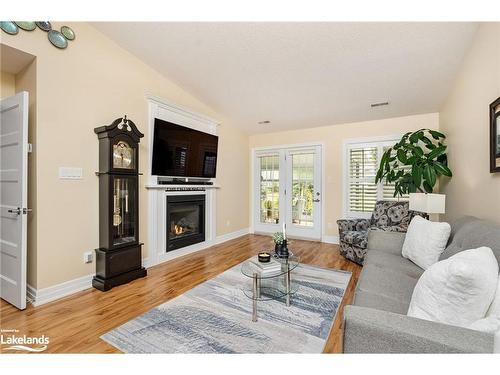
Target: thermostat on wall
(70, 173)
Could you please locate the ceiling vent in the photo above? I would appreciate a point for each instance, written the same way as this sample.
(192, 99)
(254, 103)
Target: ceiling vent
(381, 104)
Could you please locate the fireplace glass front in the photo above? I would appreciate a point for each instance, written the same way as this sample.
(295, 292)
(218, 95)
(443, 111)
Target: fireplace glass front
(185, 220)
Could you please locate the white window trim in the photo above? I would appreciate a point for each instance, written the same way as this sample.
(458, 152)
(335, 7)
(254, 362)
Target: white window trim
(360, 142)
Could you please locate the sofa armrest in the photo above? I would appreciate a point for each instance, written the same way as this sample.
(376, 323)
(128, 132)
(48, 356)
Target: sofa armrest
(389, 242)
(353, 225)
(369, 330)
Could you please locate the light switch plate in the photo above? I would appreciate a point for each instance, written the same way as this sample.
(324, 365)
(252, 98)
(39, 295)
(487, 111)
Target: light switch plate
(70, 173)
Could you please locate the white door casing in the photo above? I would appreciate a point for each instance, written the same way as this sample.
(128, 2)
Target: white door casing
(14, 198)
(286, 215)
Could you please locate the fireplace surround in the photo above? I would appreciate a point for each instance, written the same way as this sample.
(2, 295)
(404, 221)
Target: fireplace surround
(158, 193)
(185, 220)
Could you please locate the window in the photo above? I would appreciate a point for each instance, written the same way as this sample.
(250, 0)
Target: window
(362, 161)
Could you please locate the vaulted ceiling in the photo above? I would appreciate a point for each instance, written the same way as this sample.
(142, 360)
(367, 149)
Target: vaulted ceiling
(300, 75)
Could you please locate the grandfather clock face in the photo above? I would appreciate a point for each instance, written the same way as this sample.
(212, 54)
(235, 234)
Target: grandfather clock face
(123, 155)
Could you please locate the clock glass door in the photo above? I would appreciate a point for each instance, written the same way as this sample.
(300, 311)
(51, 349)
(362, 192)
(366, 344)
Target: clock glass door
(124, 213)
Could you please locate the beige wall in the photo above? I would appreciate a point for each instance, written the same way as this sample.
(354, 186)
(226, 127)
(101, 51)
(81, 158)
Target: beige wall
(87, 85)
(7, 84)
(333, 138)
(473, 190)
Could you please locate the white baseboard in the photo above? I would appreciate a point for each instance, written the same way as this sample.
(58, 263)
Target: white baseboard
(330, 239)
(39, 297)
(232, 235)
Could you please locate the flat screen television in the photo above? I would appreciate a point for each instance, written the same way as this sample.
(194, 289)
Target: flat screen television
(183, 152)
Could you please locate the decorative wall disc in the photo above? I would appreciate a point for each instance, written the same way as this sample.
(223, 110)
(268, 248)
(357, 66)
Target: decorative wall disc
(9, 27)
(68, 32)
(57, 39)
(26, 25)
(44, 25)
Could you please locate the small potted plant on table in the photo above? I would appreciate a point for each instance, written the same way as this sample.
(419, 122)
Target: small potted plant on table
(280, 244)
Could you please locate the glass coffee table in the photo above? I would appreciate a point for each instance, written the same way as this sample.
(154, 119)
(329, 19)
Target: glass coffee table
(270, 286)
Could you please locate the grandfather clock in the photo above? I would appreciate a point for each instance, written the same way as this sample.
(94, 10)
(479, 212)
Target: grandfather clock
(118, 258)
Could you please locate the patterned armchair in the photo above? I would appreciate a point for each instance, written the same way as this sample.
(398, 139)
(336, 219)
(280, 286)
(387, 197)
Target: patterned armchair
(391, 216)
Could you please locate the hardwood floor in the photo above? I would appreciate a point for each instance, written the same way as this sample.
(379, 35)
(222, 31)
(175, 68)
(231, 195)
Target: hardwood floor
(75, 323)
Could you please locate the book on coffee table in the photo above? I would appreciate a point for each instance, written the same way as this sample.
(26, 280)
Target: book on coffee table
(265, 268)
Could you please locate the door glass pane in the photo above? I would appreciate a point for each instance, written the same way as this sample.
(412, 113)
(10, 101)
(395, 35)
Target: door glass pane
(269, 189)
(302, 189)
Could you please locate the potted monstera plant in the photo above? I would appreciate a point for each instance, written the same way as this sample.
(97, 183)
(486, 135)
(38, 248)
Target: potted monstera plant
(415, 163)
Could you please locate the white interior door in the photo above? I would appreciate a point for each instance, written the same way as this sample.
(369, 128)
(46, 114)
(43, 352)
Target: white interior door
(287, 189)
(303, 193)
(14, 198)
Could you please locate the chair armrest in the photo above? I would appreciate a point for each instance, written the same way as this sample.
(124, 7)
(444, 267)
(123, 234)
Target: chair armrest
(353, 224)
(389, 242)
(369, 330)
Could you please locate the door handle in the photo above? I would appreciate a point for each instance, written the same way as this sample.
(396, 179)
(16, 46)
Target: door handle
(316, 200)
(17, 211)
(20, 211)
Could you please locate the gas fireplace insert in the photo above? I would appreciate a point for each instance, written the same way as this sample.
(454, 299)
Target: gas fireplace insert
(185, 220)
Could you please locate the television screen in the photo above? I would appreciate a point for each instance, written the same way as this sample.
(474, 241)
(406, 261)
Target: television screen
(183, 152)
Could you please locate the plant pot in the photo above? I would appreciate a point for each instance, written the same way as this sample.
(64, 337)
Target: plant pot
(281, 250)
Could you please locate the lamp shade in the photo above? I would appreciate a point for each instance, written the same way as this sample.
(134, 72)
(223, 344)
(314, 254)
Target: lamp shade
(428, 203)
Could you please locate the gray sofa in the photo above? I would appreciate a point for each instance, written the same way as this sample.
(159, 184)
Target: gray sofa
(376, 322)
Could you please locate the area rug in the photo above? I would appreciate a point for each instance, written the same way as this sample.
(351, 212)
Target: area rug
(216, 317)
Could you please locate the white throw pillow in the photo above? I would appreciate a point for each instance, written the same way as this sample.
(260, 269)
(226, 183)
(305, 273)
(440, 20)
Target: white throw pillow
(425, 241)
(492, 321)
(494, 310)
(458, 290)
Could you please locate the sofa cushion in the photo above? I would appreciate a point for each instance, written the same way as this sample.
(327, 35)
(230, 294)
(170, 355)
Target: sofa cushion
(470, 233)
(389, 242)
(386, 284)
(376, 301)
(392, 262)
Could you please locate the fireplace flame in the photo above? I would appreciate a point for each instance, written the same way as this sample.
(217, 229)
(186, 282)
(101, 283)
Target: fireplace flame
(179, 229)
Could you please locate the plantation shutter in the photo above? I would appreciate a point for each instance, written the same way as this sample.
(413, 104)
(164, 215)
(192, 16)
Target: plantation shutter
(363, 163)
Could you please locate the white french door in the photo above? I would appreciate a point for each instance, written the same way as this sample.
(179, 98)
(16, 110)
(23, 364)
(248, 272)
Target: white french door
(14, 198)
(288, 189)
